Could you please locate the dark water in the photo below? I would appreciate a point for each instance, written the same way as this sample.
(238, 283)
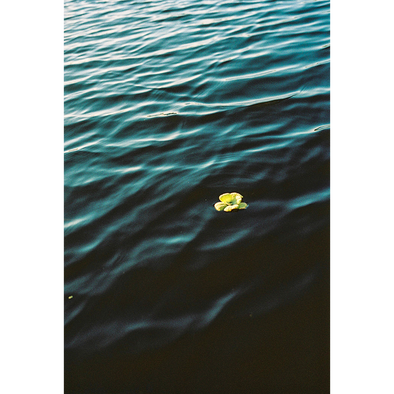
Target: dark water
(167, 106)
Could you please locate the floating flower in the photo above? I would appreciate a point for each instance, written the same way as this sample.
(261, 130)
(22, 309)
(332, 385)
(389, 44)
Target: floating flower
(229, 202)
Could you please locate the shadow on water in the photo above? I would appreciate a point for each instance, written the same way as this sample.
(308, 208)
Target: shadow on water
(274, 335)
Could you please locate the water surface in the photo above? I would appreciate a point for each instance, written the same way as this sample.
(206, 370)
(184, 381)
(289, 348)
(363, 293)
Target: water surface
(168, 105)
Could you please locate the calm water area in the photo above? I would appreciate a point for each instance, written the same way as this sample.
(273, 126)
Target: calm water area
(168, 105)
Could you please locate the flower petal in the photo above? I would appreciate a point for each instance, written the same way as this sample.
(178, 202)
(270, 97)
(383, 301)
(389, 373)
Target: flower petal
(226, 197)
(219, 206)
(235, 194)
(243, 205)
(230, 208)
(236, 198)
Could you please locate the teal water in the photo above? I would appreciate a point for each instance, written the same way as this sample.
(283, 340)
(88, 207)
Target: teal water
(167, 106)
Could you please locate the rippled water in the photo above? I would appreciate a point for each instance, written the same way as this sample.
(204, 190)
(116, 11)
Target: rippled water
(167, 106)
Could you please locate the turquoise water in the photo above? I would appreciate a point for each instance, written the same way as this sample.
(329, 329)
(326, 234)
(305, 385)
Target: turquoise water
(167, 106)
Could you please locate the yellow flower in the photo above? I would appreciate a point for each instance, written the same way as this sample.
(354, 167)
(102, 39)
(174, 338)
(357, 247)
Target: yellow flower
(229, 202)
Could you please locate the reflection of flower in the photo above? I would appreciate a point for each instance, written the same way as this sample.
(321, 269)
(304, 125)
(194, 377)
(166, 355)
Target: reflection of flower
(229, 202)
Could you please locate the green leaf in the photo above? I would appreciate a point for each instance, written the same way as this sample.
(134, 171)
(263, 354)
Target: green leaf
(243, 205)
